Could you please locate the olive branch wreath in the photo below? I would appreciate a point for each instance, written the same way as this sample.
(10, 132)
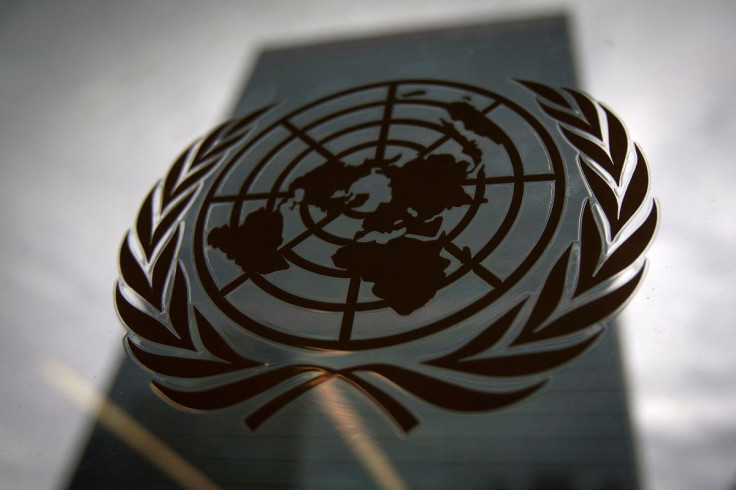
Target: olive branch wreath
(589, 282)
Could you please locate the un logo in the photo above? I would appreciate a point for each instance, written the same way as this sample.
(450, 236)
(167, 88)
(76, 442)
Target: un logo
(445, 228)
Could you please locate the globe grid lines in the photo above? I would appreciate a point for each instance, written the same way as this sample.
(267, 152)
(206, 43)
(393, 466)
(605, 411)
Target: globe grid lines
(173, 331)
(380, 148)
(317, 229)
(350, 306)
(318, 146)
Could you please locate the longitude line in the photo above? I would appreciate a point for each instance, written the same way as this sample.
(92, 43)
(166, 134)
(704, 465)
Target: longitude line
(310, 231)
(309, 141)
(539, 177)
(232, 285)
(444, 139)
(492, 106)
(248, 197)
(481, 271)
(346, 327)
(510, 179)
(388, 110)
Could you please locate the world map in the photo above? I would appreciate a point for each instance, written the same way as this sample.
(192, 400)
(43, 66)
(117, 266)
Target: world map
(398, 247)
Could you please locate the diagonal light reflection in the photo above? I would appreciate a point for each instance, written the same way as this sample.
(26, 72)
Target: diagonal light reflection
(351, 428)
(124, 427)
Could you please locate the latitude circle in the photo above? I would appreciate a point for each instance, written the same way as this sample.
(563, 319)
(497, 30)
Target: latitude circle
(351, 213)
(273, 290)
(267, 331)
(306, 264)
(336, 240)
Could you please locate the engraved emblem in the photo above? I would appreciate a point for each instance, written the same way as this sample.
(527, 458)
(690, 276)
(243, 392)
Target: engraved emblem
(397, 236)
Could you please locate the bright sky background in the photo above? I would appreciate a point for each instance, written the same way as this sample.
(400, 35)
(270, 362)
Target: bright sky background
(97, 98)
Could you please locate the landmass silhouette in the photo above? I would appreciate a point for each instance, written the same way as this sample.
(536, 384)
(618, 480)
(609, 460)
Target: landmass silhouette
(406, 272)
(254, 244)
(404, 265)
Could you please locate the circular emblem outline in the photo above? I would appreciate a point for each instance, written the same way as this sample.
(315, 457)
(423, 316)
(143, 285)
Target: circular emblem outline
(557, 178)
(588, 283)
